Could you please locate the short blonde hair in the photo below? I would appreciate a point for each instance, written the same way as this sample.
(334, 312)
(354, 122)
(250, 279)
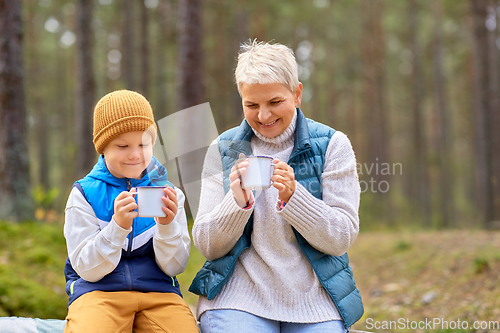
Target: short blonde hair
(264, 63)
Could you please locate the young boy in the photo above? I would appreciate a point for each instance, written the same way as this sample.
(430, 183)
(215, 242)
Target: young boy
(121, 268)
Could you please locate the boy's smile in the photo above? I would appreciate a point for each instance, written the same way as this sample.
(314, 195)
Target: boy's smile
(129, 154)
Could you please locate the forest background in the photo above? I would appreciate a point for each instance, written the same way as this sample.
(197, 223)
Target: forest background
(415, 84)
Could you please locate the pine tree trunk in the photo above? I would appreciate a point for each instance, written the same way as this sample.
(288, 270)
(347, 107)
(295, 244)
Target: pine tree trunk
(420, 177)
(241, 36)
(37, 104)
(445, 162)
(85, 99)
(127, 68)
(374, 91)
(482, 111)
(161, 109)
(494, 100)
(190, 91)
(15, 198)
(144, 51)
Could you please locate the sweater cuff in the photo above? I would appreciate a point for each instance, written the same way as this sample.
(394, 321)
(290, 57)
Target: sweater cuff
(250, 201)
(115, 234)
(280, 205)
(302, 210)
(231, 218)
(167, 231)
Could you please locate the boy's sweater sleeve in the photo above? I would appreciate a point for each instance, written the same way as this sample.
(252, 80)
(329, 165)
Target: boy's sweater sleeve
(172, 242)
(93, 252)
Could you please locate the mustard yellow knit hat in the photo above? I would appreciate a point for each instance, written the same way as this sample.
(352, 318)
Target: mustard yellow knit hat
(120, 112)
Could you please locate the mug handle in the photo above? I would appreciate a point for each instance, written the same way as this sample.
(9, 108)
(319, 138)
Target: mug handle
(272, 171)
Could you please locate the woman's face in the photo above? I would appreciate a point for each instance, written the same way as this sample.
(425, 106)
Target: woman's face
(269, 108)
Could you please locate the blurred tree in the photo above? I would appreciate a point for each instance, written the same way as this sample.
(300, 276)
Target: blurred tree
(374, 93)
(419, 177)
(163, 15)
(85, 99)
(485, 108)
(443, 148)
(16, 202)
(240, 36)
(39, 114)
(190, 85)
(480, 105)
(128, 44)
(222, 44)
(494, 99)
(190, 74)
(145, 50)
(367, 56)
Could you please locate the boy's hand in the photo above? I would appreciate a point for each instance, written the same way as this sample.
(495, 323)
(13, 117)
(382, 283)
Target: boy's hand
(125, 209)
(170, 208)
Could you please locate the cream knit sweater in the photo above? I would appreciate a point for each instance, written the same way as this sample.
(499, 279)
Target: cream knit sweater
(273, 279)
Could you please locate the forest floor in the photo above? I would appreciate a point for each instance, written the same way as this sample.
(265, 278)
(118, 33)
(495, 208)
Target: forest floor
(442, 281)
(433, 280)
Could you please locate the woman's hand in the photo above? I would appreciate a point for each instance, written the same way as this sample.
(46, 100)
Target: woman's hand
(125, 209)
(283, 180)
(240, 195)
(170, 208)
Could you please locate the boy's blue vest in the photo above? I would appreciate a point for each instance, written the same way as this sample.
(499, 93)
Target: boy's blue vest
(307, 159)
(137, 269)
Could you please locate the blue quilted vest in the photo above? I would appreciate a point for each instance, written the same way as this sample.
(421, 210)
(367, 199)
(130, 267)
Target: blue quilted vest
(137, 269)
(307, 159)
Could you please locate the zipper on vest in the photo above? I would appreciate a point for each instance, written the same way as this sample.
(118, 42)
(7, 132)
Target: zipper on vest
(128, 274)
(130, 240)
(126, 262)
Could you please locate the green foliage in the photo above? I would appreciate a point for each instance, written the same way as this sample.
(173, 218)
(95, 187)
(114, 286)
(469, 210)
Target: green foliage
(44, 198)
(32, 257)
(196, 261)
(481, 265)
(402, 245)
(32, 260)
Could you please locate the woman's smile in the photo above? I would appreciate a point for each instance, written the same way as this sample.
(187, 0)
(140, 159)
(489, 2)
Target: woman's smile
(270, 124)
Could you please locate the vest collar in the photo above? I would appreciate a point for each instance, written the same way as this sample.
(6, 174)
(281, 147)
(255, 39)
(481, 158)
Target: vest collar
(241, 141)
(154, 174)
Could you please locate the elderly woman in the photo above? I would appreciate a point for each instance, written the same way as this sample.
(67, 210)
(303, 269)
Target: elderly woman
(277, 258)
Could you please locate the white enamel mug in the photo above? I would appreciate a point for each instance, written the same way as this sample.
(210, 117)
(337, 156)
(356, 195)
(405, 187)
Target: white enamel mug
(258, 173)
(149, 202)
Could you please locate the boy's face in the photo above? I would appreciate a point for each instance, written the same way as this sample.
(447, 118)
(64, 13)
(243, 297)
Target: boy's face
(129, 154)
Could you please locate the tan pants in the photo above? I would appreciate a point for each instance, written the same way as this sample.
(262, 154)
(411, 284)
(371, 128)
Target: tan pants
(124, 311)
